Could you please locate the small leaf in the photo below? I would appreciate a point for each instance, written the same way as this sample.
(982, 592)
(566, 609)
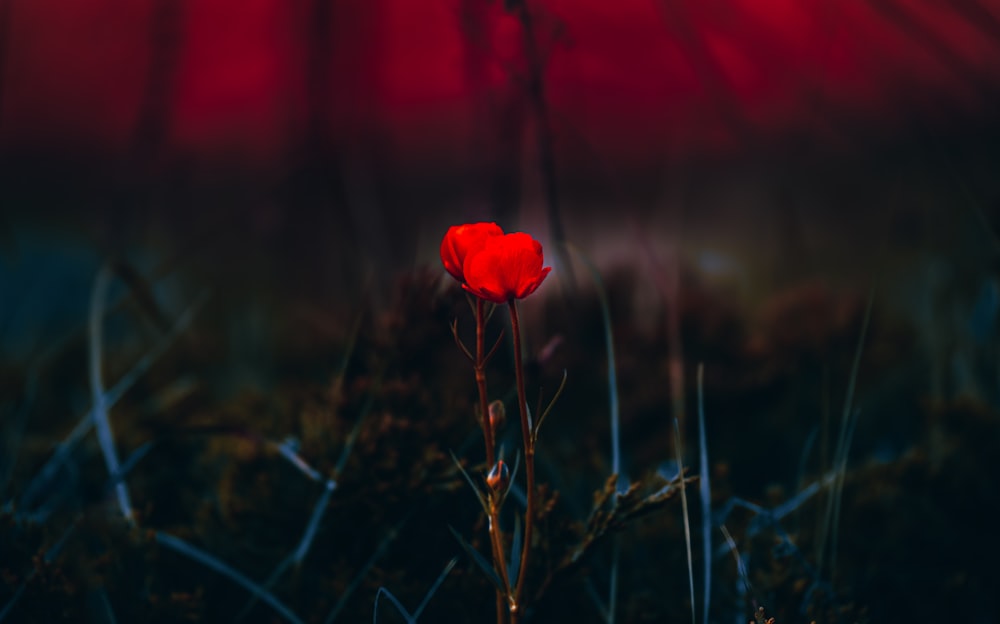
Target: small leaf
(480, 561)
(479, 494)
(548, 408)
(395, 602)
(430, 592)
(352, 437)
(515, 553)
(491, 308)
(496, 345)
(517, 464)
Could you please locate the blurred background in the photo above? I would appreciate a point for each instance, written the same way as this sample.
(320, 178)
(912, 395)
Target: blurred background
(289, 151)
(743, 174)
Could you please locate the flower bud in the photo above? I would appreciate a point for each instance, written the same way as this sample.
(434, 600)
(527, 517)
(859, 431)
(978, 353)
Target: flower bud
(497, 416)
(499, 477)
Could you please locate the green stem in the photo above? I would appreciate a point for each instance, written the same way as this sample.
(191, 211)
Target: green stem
(529, 465)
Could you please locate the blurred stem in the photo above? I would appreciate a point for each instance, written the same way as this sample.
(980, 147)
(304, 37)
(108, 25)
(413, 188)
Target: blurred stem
(153, 123)
(529, 465)
(546, 151)
(496, 538)
(5, 29)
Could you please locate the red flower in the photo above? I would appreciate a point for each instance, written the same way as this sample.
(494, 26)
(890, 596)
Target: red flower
(463, 240)
(507, 267)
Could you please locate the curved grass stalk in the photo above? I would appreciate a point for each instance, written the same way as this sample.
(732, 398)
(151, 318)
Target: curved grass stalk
(288, 450)
(415, 616)
(104, 605)
(356, 582)
(213, 563)
(741, 566)
(705, 493)
(100, 409)
(317, 515)
(667, 281)
(63, 450)
(613, 580)
(382, 591)
(613, 402)
(847, 424)
(687, 519)
(615, 418)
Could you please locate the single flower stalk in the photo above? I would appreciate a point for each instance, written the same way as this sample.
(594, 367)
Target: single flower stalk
(500, 268)
(459, 243)
(528, 440)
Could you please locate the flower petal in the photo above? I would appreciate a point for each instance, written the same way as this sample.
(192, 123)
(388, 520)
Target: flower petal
(462, 240)
(507, 267)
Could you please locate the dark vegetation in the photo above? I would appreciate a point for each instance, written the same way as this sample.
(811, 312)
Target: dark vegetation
(363, 443)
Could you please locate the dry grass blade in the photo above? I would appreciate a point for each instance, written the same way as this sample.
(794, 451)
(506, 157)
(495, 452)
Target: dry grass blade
(472, 484)
(705, 492)
(612, 512)
(479, 561)
(687, 519)
(515, 549)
